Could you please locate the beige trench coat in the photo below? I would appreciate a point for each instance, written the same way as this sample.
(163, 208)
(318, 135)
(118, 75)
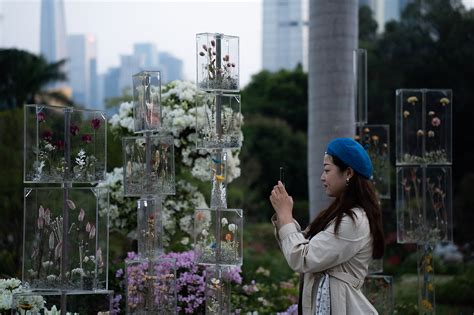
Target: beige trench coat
(345, 257)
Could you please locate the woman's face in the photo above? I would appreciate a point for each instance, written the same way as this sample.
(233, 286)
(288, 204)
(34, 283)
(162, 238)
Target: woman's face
(334, 180)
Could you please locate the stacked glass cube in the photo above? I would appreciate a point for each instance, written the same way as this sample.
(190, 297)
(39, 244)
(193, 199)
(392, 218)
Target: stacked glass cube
(218, 229)
(65, 228)
(149, 174)
(424, 192)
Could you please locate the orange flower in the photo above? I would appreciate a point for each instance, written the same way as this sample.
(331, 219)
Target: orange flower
(200, 215)
(228, 237)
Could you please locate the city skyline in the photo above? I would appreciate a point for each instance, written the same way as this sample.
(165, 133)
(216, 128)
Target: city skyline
(117, 36)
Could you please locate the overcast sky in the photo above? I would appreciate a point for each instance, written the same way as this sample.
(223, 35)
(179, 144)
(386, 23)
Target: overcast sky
(170, 24)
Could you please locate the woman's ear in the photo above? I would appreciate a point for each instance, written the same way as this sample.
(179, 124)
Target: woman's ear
(349, 172)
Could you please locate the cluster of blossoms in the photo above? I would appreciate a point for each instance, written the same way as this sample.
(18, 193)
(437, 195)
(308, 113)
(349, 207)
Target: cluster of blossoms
(190, 280)
(9, 287)
(179, 118)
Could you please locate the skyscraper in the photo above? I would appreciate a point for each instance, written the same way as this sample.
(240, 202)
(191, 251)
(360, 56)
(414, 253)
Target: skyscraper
(171, 67)
(146, 56)
(83, 69)
(285, 34)
(53, 30)
(385, 10)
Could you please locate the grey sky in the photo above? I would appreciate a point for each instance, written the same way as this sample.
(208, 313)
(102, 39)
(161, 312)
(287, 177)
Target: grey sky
(117, 25)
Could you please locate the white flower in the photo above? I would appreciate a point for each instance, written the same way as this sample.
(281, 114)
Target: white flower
(49, 147)
(78, 271)
(205, 233)
(224, 222)
(186, 224)
(232, 227)
(51, 277)
(185, 241)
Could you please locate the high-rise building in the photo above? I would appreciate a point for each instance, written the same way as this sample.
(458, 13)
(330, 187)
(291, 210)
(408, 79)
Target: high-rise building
(171, 67)
(111, 83)
(53, 30)
(385, 10)
(146, 56)
(83, 69)
(128, 67)
(285, 34)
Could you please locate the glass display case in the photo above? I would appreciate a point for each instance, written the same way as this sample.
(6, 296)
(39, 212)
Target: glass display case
(65, 243)
(147, 101)
(148, 165)
(217, 291)
(151, 286)
(424, 204)
(64, 144)
(217, 62)
(424, 126)
(376, 141)
(379, 291)
(218, 121)
(150, 226)
(218, 236)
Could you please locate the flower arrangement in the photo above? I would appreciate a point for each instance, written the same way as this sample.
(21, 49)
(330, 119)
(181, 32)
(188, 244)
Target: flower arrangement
(43, 262)
(49, 149)
(217, 74)
(378, 290)
(179, 117)
(431, 136)
(29, 304)
(374, 140)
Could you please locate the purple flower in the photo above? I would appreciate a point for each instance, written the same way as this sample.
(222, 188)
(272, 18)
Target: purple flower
(40, 117)
(87, 138)
(74, 130)
(95, 123)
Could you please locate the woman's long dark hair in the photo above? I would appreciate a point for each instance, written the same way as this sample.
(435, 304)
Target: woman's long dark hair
(359, 193)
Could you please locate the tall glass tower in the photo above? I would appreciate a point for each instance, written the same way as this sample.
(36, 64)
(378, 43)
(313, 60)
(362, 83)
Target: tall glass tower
(53, 44)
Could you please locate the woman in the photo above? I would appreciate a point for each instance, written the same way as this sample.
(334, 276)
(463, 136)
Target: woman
(334, 252)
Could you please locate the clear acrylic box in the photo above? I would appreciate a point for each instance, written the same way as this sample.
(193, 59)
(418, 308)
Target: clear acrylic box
(376, 266)
(148, 165)
(151, 286)
(379, 291)
(376, 141)
(424, 126)
(64, 144)
(217, 62)
(218, 121)
(217, 291)
(424, 204)
(218, 236)
(219, 179)
(147, 101)
(65, 243)
(150, 226)
(49, 302)
(426, 290)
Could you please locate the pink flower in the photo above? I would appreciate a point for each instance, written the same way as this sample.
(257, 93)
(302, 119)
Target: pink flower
(95, 123)
(87, 138)
(88, 227)
(40, 117)
(74, 130)
(81, 215)
(436, 122)
(71, 204)
(92, 232)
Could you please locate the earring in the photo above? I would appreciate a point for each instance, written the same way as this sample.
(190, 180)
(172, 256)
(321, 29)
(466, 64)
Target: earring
(347, 181)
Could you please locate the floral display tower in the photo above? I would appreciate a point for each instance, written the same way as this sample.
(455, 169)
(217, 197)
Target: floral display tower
(65, 239)
(375, 138)
(218, 229)
(149, 174)
(424, 193)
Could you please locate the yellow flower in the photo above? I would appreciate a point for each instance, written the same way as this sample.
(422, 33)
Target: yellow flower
(375, 138)
(429, 268)
(412, 100)
(444, 101)
(425, 304)
(406, 114)
(219, 178)
(430, 287)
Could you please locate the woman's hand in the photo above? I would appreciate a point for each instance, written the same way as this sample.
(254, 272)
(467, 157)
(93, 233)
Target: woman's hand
(282, 203)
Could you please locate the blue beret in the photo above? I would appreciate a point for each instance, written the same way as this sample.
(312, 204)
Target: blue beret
(352, 154)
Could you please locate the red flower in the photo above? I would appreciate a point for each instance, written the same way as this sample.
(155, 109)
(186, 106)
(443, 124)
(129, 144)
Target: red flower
(87, 138)
(47, 135)
(74, 130)
(40, 117)
(95, 123)
(394, 260)
(59, 144)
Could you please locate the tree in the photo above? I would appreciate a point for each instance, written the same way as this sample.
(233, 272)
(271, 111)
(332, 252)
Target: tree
(333, 31)
(23, 77)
